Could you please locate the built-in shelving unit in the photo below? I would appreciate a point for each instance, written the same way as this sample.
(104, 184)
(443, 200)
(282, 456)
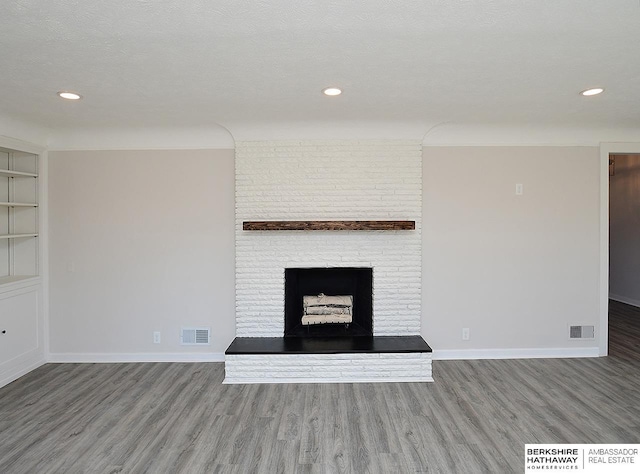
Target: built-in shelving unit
(23, 173)
(18, 215)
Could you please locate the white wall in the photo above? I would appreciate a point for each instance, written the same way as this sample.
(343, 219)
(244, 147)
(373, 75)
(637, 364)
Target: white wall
(515, 270)
(624, 222)
(140, 241)
(143, 241)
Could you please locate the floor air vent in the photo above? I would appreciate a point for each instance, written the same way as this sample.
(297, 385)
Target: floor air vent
(195, 336)
(582, 332)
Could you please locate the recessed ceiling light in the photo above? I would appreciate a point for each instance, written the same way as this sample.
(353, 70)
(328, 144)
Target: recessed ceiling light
(594, 91)
(69, 95)
(332, 91)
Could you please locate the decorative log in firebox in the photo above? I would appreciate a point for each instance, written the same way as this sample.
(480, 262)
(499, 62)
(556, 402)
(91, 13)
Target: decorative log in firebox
(326, 309)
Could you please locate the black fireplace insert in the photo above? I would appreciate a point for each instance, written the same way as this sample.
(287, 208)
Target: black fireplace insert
(334, 281)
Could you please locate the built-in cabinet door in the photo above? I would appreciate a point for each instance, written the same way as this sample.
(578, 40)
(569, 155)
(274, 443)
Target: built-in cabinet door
(18, 324)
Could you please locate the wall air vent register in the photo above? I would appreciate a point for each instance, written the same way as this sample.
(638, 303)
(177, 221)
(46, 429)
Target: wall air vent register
(195, 336)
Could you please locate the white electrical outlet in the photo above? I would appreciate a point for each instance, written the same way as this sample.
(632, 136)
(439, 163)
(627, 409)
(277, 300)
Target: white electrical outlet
(156, 337)
(465, 334)
(519, 189)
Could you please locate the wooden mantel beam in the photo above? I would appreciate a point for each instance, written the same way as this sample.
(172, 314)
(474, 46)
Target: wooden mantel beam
(328, 225)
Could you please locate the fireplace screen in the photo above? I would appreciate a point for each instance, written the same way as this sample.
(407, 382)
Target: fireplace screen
(335, 301)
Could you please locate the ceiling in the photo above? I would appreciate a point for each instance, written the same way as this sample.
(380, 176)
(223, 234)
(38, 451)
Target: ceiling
(203, 63)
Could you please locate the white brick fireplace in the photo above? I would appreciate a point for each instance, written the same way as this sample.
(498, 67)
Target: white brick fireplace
(328, 180)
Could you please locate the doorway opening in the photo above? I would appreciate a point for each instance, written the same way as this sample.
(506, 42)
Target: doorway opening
(623, 296)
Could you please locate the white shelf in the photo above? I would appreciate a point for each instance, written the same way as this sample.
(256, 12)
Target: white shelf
(17, 236)
(15, 278)
(17, 174)
(18, 204)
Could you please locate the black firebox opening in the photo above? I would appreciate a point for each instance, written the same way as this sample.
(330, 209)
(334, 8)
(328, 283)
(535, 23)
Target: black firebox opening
(356, 281)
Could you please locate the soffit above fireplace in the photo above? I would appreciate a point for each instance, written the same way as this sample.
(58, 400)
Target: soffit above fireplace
(328, 225)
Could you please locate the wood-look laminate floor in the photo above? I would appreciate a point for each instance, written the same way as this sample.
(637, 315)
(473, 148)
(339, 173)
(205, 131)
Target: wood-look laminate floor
(173, 417)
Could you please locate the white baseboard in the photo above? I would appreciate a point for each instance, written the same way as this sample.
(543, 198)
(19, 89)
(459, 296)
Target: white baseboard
(551, 353)
(90, 358)
(624, 299)
(18, 370)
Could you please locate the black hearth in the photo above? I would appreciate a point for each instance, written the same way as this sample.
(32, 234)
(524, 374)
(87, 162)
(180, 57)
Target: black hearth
(343, 281)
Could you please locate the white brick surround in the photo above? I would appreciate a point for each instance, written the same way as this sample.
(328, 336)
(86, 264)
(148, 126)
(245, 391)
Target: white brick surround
(328, 180)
